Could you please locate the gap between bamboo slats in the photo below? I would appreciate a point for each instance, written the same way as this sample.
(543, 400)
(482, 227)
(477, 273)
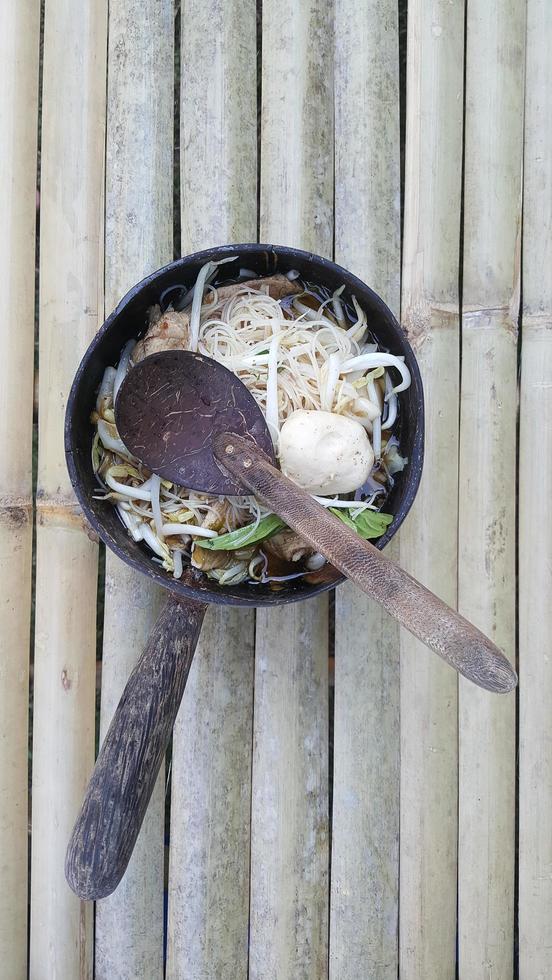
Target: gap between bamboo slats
(535, 522)
(212, 744)
(365, 841)
(71, 307)
(495, 47)
(19, 43)
(430, 312)
(138, 239)
(289, 831)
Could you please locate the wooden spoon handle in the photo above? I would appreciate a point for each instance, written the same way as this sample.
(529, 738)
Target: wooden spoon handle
(127, 767)
(442, 629)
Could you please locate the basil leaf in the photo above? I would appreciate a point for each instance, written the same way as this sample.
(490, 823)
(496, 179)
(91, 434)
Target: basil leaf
(372, 523)
(367, 524)
(343, 516)
(244, 536)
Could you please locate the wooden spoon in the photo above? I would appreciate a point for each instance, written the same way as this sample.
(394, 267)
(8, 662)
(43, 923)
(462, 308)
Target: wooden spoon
(193, 422)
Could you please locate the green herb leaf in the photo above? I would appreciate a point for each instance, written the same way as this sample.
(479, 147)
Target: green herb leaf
(244, 536)
(372, 523)
(343, 516)
(368, 524)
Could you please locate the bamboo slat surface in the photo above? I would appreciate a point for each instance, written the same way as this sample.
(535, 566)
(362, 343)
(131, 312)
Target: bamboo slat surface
(19, 43)
(535, 526)
(364, 890)
(289, 813)
(430, 314)
(138, 235)
(211, 774)
(71, 308)
(487, 475)
(286, 119)
(211, 800)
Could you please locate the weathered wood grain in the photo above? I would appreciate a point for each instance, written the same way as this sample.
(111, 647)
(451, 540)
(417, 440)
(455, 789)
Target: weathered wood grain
(208, 891)
(132, 751)
(289, 834)
(535, 526)
(138, 239)
(430, 313)
(365, 836)
(129, 924)
(289, 850)
(211, 805)
(365, 825)
(430, 619)
(486, 581)
(218, 123)
(19, 38)
(71, 308)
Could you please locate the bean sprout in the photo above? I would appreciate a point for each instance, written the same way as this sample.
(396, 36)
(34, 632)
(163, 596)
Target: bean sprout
(380, 359)
(123, 367)
(291, 354)
(177, 558)
(191, 529)
(391, 402)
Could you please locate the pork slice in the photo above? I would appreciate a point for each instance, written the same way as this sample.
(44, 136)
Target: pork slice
(169, 331)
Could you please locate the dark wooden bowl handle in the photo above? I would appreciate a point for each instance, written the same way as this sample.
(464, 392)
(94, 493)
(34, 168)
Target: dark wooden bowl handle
(128, 764)
(442, 629)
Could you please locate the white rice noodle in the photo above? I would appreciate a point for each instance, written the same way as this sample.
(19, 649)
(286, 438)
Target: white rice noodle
(272, 391)
(312, 363)
(197, 301)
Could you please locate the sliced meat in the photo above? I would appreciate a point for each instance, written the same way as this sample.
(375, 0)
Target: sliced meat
(215, 519)
(278, 287)
(205, 560)
(287, 545)
(170, 331)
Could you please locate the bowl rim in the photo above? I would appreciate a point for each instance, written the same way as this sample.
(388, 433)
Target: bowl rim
(196, 590)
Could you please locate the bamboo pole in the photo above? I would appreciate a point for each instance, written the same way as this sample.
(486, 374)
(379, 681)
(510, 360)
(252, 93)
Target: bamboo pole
(209, 861)
(289, 846)
(211, 775)
(218, 123)
(129, 924)
(430, 309)
(71, 306)
(19, 40)
(486, 583)
(289, 833)
(138, 235)
(364, 890)
(535, 527)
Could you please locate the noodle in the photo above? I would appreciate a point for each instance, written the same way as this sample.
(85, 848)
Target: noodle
(293, 355)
